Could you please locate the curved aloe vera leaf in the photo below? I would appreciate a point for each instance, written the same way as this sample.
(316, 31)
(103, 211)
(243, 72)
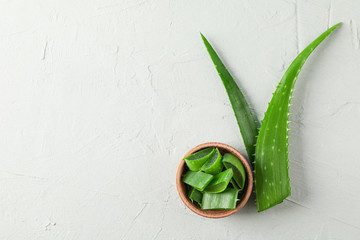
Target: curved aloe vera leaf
(214, 164)
(220, 182)
(224, 200)
(230, 161)
(244, 116)
(197, 180)
(272, 183)
(196, 160)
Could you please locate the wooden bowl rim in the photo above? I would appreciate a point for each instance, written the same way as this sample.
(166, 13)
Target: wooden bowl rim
(180, 186)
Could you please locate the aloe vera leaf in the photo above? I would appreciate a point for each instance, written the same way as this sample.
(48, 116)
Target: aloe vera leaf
(224, 200)
(272, 183)
(233, 183)
(214, 164)
(230, 161)
(244, 116)
(196, 160)
(220, 182)
(198, 180)
(196, 195)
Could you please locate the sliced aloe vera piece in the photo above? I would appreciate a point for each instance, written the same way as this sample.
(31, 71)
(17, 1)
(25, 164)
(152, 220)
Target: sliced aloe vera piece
(196, 160)
(220, 181)
(198, 180)
(244, 116)
(230, 161)
(224, 200)
(214, 164)
(196, 195)
(233, 183)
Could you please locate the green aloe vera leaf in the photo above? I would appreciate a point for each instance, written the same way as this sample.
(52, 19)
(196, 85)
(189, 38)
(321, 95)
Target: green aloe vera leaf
(198, 180)
(196, 195)
(196, 160)
(220, 182)
(225, 200)
(233, 183)
(230, 161)
(272, 183)
(214, 164)
(244, 116)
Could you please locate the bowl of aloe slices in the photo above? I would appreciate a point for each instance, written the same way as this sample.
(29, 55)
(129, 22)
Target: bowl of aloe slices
(214, 180)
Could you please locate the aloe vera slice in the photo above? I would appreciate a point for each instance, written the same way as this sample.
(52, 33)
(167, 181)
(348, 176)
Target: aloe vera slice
(214, 164)
(220, 182)
(225, 200)
(245, 118)
(196, 160)
(198, 180)
(272, 183)
(196, 195)
(233, 183)
(230, 161)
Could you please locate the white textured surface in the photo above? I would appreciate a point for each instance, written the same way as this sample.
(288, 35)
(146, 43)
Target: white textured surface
(96, 95)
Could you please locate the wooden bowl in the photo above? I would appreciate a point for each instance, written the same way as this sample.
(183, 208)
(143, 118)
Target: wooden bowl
(181, 187)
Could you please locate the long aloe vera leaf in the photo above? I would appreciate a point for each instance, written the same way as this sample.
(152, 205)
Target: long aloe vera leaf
(272, 183)
(230, 161)
(214, 164)
(197, 180)
(220, 182)
(196, 160)
(224, 200)
(244, 116)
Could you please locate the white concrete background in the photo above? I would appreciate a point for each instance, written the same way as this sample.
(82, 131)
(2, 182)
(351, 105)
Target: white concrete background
(100, 99)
